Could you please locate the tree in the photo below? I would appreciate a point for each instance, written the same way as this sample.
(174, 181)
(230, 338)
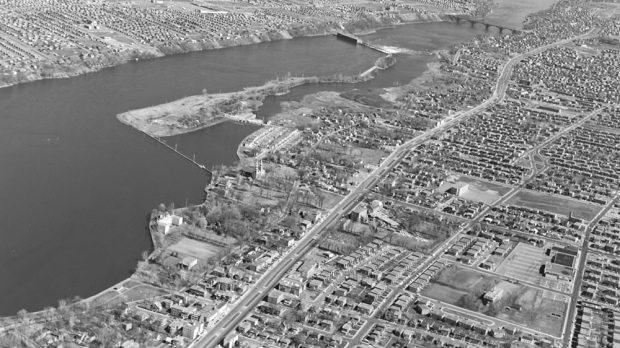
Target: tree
(22, 315)
(468, 301)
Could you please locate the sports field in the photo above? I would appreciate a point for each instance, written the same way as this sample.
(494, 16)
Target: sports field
(190, 247)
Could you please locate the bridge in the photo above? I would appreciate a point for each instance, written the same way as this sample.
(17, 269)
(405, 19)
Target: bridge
(459, 19)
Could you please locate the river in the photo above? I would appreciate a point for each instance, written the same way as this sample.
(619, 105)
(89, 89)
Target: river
(77, 185)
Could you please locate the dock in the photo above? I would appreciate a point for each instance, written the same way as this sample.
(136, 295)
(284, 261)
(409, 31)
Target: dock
(354, 39)
(192, 160)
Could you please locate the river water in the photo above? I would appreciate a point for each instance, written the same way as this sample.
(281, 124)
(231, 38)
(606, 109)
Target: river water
(77, 185)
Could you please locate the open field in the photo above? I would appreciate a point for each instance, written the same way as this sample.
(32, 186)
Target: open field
(296, 111)
(518, 303)
(194, 248)
(455, 282)
(367, 97)
(369, 156)
(538, 162)
(142, 292)
(537, 311)
(482, 185)
(104, 298)
(554, 204)
(331, 199)
(524, 263)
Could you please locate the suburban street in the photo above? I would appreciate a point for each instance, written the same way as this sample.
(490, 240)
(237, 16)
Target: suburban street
(569, 322)
(259, 290)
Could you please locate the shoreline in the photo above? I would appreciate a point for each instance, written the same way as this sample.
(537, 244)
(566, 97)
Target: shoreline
(61, 73)
(154, 248)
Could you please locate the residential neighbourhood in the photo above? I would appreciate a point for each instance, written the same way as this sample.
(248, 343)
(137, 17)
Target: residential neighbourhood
(479, 209)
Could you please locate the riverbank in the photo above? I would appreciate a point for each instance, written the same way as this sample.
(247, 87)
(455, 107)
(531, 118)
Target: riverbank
(361, 26)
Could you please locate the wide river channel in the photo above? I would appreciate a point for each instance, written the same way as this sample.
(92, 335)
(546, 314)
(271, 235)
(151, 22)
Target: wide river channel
(77, 185)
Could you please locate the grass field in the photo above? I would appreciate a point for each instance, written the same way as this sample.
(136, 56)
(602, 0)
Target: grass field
(369, 156)
(142, 292)
(331, 199)
(555, 204)
(524, 263)
(104, 298)
(443, 293)
(455, 282)
(539, 311)
(190, 247)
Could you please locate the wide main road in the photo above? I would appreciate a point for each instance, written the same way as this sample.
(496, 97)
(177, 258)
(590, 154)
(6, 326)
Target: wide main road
(261, 288)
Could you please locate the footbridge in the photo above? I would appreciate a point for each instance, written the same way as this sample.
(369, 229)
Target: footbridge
(459, 19)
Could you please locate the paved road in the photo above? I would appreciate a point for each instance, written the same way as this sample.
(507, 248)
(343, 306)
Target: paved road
(572, 306)
(261, 288)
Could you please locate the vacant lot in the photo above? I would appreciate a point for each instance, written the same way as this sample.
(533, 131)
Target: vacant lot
(524, 263)
(554, 204)
(190, 247)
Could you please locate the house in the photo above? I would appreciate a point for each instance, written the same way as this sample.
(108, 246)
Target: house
(315, 284)
(187, 263)
(365, 308)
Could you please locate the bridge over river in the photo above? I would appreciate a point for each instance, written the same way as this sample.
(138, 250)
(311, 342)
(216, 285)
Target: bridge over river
(459, 19)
